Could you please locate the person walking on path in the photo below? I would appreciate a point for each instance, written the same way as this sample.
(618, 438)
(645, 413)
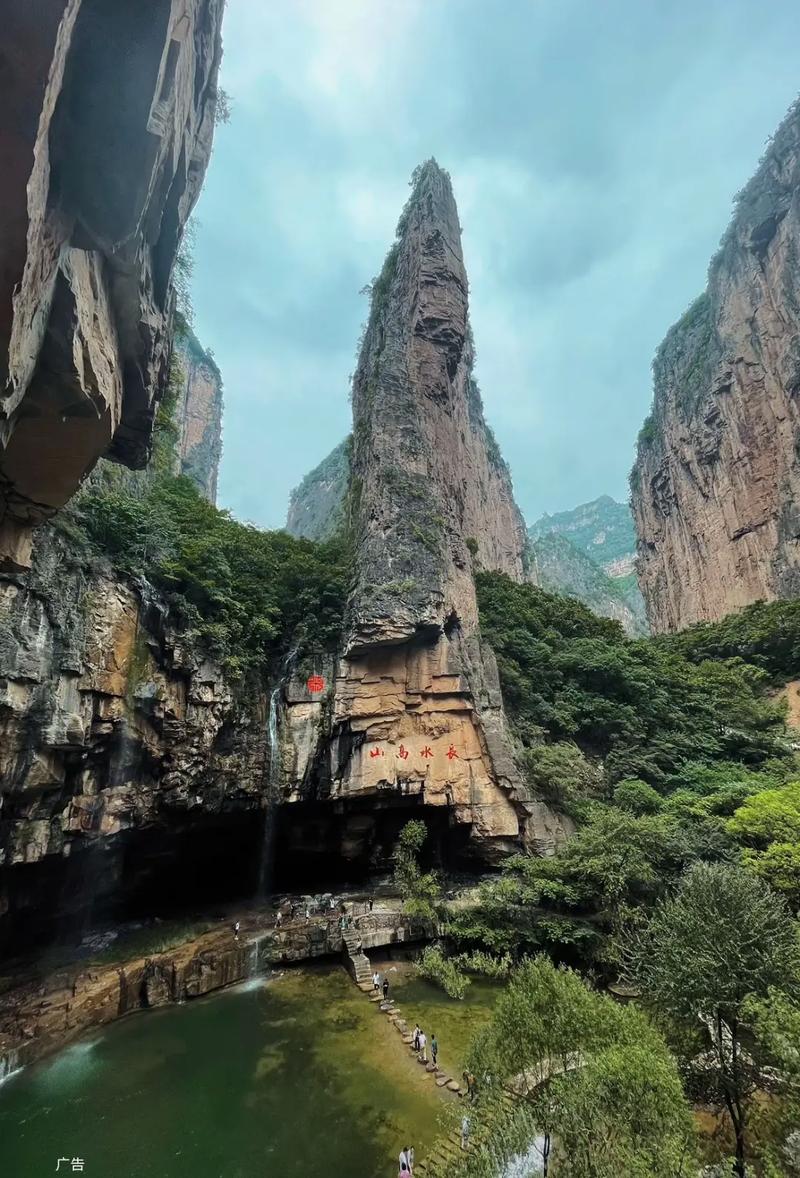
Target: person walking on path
(423, 1046)
(411, 1159)
(464, 1131)
(434, 1048)
(405, 1160)
(385, 989)
(376, 981)
(417, 1033)
(279, 919)
(236, 928)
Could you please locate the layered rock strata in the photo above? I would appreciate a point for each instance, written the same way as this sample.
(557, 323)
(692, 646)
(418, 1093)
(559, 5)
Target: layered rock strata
(716, 484)
(416, 708)
(110, 724)
(108, 115)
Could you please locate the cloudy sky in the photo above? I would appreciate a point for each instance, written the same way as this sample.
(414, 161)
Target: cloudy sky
(594, 147)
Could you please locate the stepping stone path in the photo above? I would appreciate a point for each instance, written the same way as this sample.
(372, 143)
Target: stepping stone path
(447, 1149)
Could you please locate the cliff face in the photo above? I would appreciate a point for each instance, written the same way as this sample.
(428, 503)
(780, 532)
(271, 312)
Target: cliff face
(316, 506)
(105, 134)
(110, 726)
(716, 483)
(198, 415)
(417, 716)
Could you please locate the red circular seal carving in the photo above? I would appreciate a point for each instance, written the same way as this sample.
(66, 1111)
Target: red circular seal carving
(315, 683)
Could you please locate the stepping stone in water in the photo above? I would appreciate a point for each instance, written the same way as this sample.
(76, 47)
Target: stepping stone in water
(430, 1067)
(441, 1081)
(408, 1039)
(454, 1085)
(420, 1059)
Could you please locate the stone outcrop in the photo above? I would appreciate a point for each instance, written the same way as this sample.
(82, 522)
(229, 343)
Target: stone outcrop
(106, 128)
(716, 484)
(416, 711)
(111, 724)
(198, 415)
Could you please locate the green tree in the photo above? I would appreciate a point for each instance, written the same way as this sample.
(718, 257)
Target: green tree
(596, 1080)
(637, 796)
(723, 938)
(768, 824)
(421, 890)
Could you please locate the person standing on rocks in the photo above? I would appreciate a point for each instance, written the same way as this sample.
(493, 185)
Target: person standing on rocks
(417, 1033)
(434, 1047)
(464, 1131)
(385, 989)
(376, 981)
(423, 1046)
(405, 1160)
(236, 928)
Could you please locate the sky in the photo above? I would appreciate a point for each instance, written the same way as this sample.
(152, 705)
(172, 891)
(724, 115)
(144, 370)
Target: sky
(594, 146)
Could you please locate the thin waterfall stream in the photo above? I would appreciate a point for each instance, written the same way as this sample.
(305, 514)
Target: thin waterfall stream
(273, 781)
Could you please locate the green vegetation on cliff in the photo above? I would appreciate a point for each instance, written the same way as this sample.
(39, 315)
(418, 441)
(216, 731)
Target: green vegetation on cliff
(246, 594)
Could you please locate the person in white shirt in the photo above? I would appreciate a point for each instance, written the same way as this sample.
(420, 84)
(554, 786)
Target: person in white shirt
(423, 1045)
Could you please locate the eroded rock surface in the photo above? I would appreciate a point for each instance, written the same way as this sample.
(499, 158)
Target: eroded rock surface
(110, 725)
(108, 115)
(416, 710)
(716, 484)
(198, 415)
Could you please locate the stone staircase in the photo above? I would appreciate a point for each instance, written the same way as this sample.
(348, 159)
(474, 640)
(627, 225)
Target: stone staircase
(356, 960)
(445, 1153)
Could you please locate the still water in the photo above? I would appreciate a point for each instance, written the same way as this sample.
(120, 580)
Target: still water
(299, 1077)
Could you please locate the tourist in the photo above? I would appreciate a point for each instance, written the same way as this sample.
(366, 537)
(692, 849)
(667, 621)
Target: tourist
(405, 1160)
(370, 903)
(411, 1159)
(434, 1047)
(333, 904)
(417, 1033)
(308, 914)
(279, 919)
(469, 1081)
(464, 1131)
(236, 928)
(385, 989)
(423, 1046)
(376, 981)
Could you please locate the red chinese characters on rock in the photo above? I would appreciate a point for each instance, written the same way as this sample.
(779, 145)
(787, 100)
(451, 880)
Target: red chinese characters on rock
(402, 753)
(376, 753)
(451, 752)
(315, 683)
(427, 752)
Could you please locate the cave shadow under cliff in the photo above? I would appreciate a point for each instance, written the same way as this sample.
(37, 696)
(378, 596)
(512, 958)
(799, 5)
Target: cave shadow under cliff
(199, 865)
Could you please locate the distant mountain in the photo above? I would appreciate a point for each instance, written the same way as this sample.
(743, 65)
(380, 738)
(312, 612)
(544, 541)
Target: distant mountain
(588, 553)
(602, 530)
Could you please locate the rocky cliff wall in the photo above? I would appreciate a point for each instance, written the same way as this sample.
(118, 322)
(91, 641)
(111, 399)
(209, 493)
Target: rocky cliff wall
(105, 134)
(316, 506)
(198, 415)
(110, 725)
(716, 484)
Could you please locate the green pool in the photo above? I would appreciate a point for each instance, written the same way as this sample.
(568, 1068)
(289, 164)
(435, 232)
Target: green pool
(297, 1077)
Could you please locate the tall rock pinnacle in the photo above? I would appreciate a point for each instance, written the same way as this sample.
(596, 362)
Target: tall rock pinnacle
(428, 480)
(417, 717)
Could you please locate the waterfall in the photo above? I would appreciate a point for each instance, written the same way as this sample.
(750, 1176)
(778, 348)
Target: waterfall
(9, 1065)
(273, 781)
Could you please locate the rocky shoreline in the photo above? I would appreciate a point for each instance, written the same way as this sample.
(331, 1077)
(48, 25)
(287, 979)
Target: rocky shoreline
(42, 1014)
